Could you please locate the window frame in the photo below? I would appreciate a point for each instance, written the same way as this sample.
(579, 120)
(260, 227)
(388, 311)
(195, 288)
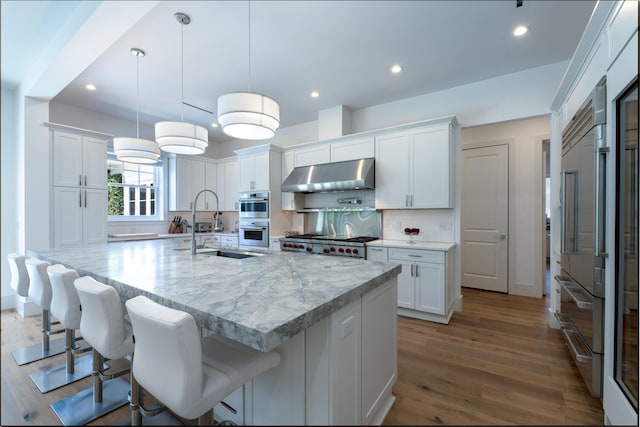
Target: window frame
(159, 197)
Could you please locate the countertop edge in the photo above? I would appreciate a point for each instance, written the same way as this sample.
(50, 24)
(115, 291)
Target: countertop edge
(404, 244)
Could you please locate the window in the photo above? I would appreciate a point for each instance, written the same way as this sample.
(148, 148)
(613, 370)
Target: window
(133, 190)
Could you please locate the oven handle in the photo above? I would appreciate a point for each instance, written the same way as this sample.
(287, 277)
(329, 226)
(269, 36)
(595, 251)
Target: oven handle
(569, 335)
(254, 200)
(253, 228)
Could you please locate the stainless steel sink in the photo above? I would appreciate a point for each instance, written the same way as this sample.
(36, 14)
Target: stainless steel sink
(223, 253)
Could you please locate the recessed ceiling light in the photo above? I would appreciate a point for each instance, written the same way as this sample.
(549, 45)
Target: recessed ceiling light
(214, 125)
(315, 94)
(396, 69)
(520, 30)
(90, 87)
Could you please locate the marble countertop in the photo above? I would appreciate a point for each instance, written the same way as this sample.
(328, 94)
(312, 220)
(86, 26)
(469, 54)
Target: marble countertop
(404, 244)
(259, 301)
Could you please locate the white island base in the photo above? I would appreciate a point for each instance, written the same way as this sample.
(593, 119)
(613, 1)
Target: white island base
(339, 371)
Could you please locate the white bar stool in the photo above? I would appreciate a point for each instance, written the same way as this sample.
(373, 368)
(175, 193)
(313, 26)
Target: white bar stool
(65, 306)
(103, 327)
(188, 374)
(39, 290)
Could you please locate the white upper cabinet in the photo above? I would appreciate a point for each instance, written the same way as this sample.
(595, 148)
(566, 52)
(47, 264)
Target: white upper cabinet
(414, 168)
(288, 199)
(254, 172)
(314, 155)
(210, 182)
(186, 179)
(79, 161)
(352, 149)
(260, 169)
(230, 188)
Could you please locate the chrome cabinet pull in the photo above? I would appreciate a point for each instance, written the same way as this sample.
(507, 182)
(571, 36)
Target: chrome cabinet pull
(80, 199)
(416, 270)
(415, 256)
(601, 198)
(85, 180)
(85, 198)
(411, 200)
(411, 270)
(229, 408)
(80, 180)
(406, 200)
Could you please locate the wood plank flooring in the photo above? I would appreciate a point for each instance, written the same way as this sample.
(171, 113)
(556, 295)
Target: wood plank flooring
(495, 363)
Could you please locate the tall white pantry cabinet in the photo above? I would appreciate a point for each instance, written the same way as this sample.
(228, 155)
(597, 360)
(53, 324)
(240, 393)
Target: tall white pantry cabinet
(79, 188)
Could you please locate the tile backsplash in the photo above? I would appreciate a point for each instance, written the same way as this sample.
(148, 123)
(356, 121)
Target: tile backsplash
(436, 225)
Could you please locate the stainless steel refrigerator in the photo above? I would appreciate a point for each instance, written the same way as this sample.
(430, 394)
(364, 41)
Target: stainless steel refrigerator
(584, 154)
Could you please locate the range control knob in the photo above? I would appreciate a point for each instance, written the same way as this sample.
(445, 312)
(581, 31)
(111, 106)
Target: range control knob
(308, 248)
(332, 249)
(348, 250)
(355, 251)
(325, 250)
(341, 250)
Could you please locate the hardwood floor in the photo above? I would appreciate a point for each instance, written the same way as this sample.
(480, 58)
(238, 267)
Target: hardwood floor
(496, 362)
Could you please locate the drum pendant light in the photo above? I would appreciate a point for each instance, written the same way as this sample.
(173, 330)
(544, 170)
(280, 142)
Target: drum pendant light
(248, 115)
(136, 150)
(181, 137)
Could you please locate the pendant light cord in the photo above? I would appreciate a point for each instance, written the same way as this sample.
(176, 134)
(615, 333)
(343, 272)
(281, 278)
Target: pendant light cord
(137, 96)
(249, 74)
(182, 72)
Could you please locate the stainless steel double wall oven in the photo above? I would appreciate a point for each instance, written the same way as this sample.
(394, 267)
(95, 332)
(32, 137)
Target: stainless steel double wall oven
(253, 220)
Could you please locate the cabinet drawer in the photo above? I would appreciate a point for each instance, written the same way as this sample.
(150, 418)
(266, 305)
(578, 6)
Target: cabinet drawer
(416, 255)
(229, 241)
(232, 409)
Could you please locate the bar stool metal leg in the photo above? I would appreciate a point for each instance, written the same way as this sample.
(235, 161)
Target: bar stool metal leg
(96, 401)
(43, 350)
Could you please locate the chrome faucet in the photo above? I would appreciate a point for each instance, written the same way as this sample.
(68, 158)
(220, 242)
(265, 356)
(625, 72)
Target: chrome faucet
(217, 225)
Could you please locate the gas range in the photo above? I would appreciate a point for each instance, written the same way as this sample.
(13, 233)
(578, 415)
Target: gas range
(353, 247)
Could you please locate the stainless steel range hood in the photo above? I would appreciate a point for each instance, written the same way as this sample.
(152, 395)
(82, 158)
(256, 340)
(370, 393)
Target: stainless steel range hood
(339, 176)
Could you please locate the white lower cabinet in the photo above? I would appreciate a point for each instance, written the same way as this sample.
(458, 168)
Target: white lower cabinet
(377, 254)
(425, 286)
(229, 241)
(339, 371)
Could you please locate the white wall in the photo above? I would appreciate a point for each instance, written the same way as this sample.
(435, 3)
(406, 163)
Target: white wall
(524, 138)
(8, 192)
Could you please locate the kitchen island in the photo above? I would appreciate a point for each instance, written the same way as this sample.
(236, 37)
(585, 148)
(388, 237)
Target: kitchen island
(333, 321)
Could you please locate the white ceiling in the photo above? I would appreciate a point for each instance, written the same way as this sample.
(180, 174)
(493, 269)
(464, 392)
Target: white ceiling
(343, 49)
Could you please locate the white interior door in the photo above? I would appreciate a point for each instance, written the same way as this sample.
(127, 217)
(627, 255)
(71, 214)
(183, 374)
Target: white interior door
(485, 218)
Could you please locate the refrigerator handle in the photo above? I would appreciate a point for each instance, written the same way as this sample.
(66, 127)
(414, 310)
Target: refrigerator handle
(600, 197)
(563, 211)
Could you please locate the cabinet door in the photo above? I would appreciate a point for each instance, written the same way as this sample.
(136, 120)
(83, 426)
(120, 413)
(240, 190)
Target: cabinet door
(94, 216)
(316, 155)
(261, 172)
(430, 168)
(392, 171)
(406, 285)
(220, 184)
(183, 185)
(67, 160)
(246, 173)
(94, 162)
(67, 216)
(379, 349)
(430, 287)
(210, 183)
(231, 186)
(197, 184)
(287, 166)
(352, 149)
